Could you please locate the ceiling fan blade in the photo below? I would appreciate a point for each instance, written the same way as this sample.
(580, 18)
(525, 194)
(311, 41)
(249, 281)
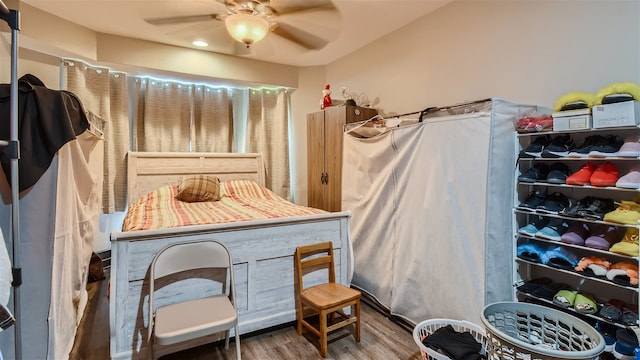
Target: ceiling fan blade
(300, 37)
(303, 6)
(182, 19)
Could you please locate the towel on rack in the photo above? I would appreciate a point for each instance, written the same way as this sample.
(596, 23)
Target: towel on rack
(47, 119)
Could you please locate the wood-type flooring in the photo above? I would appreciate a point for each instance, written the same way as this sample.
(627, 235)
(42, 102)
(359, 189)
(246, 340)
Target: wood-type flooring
(381, 339)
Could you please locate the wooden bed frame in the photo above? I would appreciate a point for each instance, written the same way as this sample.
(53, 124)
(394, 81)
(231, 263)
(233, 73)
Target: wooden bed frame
(262, 250)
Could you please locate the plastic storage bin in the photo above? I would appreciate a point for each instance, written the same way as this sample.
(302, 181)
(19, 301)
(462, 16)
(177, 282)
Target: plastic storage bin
(427, 328)
(527, 331)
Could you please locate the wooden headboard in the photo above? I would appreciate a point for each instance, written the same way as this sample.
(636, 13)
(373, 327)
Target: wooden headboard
(147, 171)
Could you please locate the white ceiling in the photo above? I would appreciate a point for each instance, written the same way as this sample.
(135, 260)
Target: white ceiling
(354, 25)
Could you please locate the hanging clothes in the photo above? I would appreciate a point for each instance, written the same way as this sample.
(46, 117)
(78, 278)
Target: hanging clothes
(47, 119)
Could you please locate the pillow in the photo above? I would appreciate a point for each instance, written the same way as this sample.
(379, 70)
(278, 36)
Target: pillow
(198, 188)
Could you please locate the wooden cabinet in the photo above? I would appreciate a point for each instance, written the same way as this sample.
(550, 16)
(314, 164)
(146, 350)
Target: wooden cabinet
(324, 153)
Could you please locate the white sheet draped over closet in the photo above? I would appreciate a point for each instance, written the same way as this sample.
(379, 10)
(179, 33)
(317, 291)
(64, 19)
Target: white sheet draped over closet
(58, 219)
(77, 210)
(431, 203)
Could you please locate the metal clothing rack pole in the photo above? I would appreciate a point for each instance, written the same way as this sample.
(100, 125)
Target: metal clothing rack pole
(12, 18)
(379, 117)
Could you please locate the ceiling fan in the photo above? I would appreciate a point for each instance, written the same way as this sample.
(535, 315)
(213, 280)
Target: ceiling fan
(252, 20)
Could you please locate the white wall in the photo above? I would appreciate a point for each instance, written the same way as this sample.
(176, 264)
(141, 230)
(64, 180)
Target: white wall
(521, 50)
(304, 100)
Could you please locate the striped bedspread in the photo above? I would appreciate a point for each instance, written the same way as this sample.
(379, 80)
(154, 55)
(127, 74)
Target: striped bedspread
(241, 200)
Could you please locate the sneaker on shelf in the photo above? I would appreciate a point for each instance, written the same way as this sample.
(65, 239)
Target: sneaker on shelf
(531, 124)
(555, 203)
(533, 227)
(583, 150)
(624, 273)
(604, 175)
(538, 172)
(534, 199)
(630, 180)
(560, 146)
(553, 230)
(626, 343)
(561, 258)
(628, 212)
(630, 147)
(597, 209)
(607, 146)
(531, 251)
(576, 233)
(579, 205)
(629, 243)
(603, 236)
(629, 315)
(608, 332)
(535, 148)
(558, 173)
(582, 176)
(591, 207)
(593, 266)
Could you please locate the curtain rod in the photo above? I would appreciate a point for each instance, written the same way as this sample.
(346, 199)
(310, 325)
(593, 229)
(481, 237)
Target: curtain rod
(432, 109)
(405, 114)
(422, 113)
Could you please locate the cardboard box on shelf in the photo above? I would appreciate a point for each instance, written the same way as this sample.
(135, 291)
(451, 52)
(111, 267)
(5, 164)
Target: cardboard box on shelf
(572, 120)
(625, 113)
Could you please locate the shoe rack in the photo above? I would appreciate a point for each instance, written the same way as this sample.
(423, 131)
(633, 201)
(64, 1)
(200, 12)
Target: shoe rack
(532, 274)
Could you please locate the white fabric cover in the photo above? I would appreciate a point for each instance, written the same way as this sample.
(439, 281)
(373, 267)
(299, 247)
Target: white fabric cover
(5, 272)
(431, 203)
(58, 219)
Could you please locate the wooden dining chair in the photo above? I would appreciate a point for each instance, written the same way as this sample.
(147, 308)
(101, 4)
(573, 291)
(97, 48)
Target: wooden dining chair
(327, 299)
(192, 318)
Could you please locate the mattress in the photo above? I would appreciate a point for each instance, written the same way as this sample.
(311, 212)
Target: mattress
(241, 200)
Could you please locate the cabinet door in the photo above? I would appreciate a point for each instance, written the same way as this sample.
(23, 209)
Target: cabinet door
(315, 159)
(334, 122)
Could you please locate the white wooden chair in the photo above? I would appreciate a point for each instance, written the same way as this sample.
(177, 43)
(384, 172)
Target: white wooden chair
(193, 318)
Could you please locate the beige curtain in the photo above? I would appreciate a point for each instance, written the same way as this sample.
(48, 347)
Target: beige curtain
(104, 93)
(173, 116)
(268, 133)
(212, 129)
(162, 119)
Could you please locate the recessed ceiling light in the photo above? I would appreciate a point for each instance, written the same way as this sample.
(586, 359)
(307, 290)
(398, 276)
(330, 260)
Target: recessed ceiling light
(200, 43)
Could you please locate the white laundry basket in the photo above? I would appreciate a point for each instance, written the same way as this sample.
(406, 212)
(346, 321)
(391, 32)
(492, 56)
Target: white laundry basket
(514, 328)
(428, 327)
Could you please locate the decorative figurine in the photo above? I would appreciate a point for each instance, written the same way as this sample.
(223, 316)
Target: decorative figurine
(326, 97)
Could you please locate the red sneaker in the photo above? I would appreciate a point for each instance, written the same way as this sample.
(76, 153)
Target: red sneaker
(582, 176)
(605, 175)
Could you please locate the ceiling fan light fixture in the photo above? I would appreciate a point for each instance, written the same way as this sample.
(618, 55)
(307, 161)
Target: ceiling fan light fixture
(247, 28)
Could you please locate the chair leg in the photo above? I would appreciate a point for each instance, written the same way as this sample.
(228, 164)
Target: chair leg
(300, 312)
(357, 314)
(150, 352)
(226, 339)
(238, 355)
(323, 333)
